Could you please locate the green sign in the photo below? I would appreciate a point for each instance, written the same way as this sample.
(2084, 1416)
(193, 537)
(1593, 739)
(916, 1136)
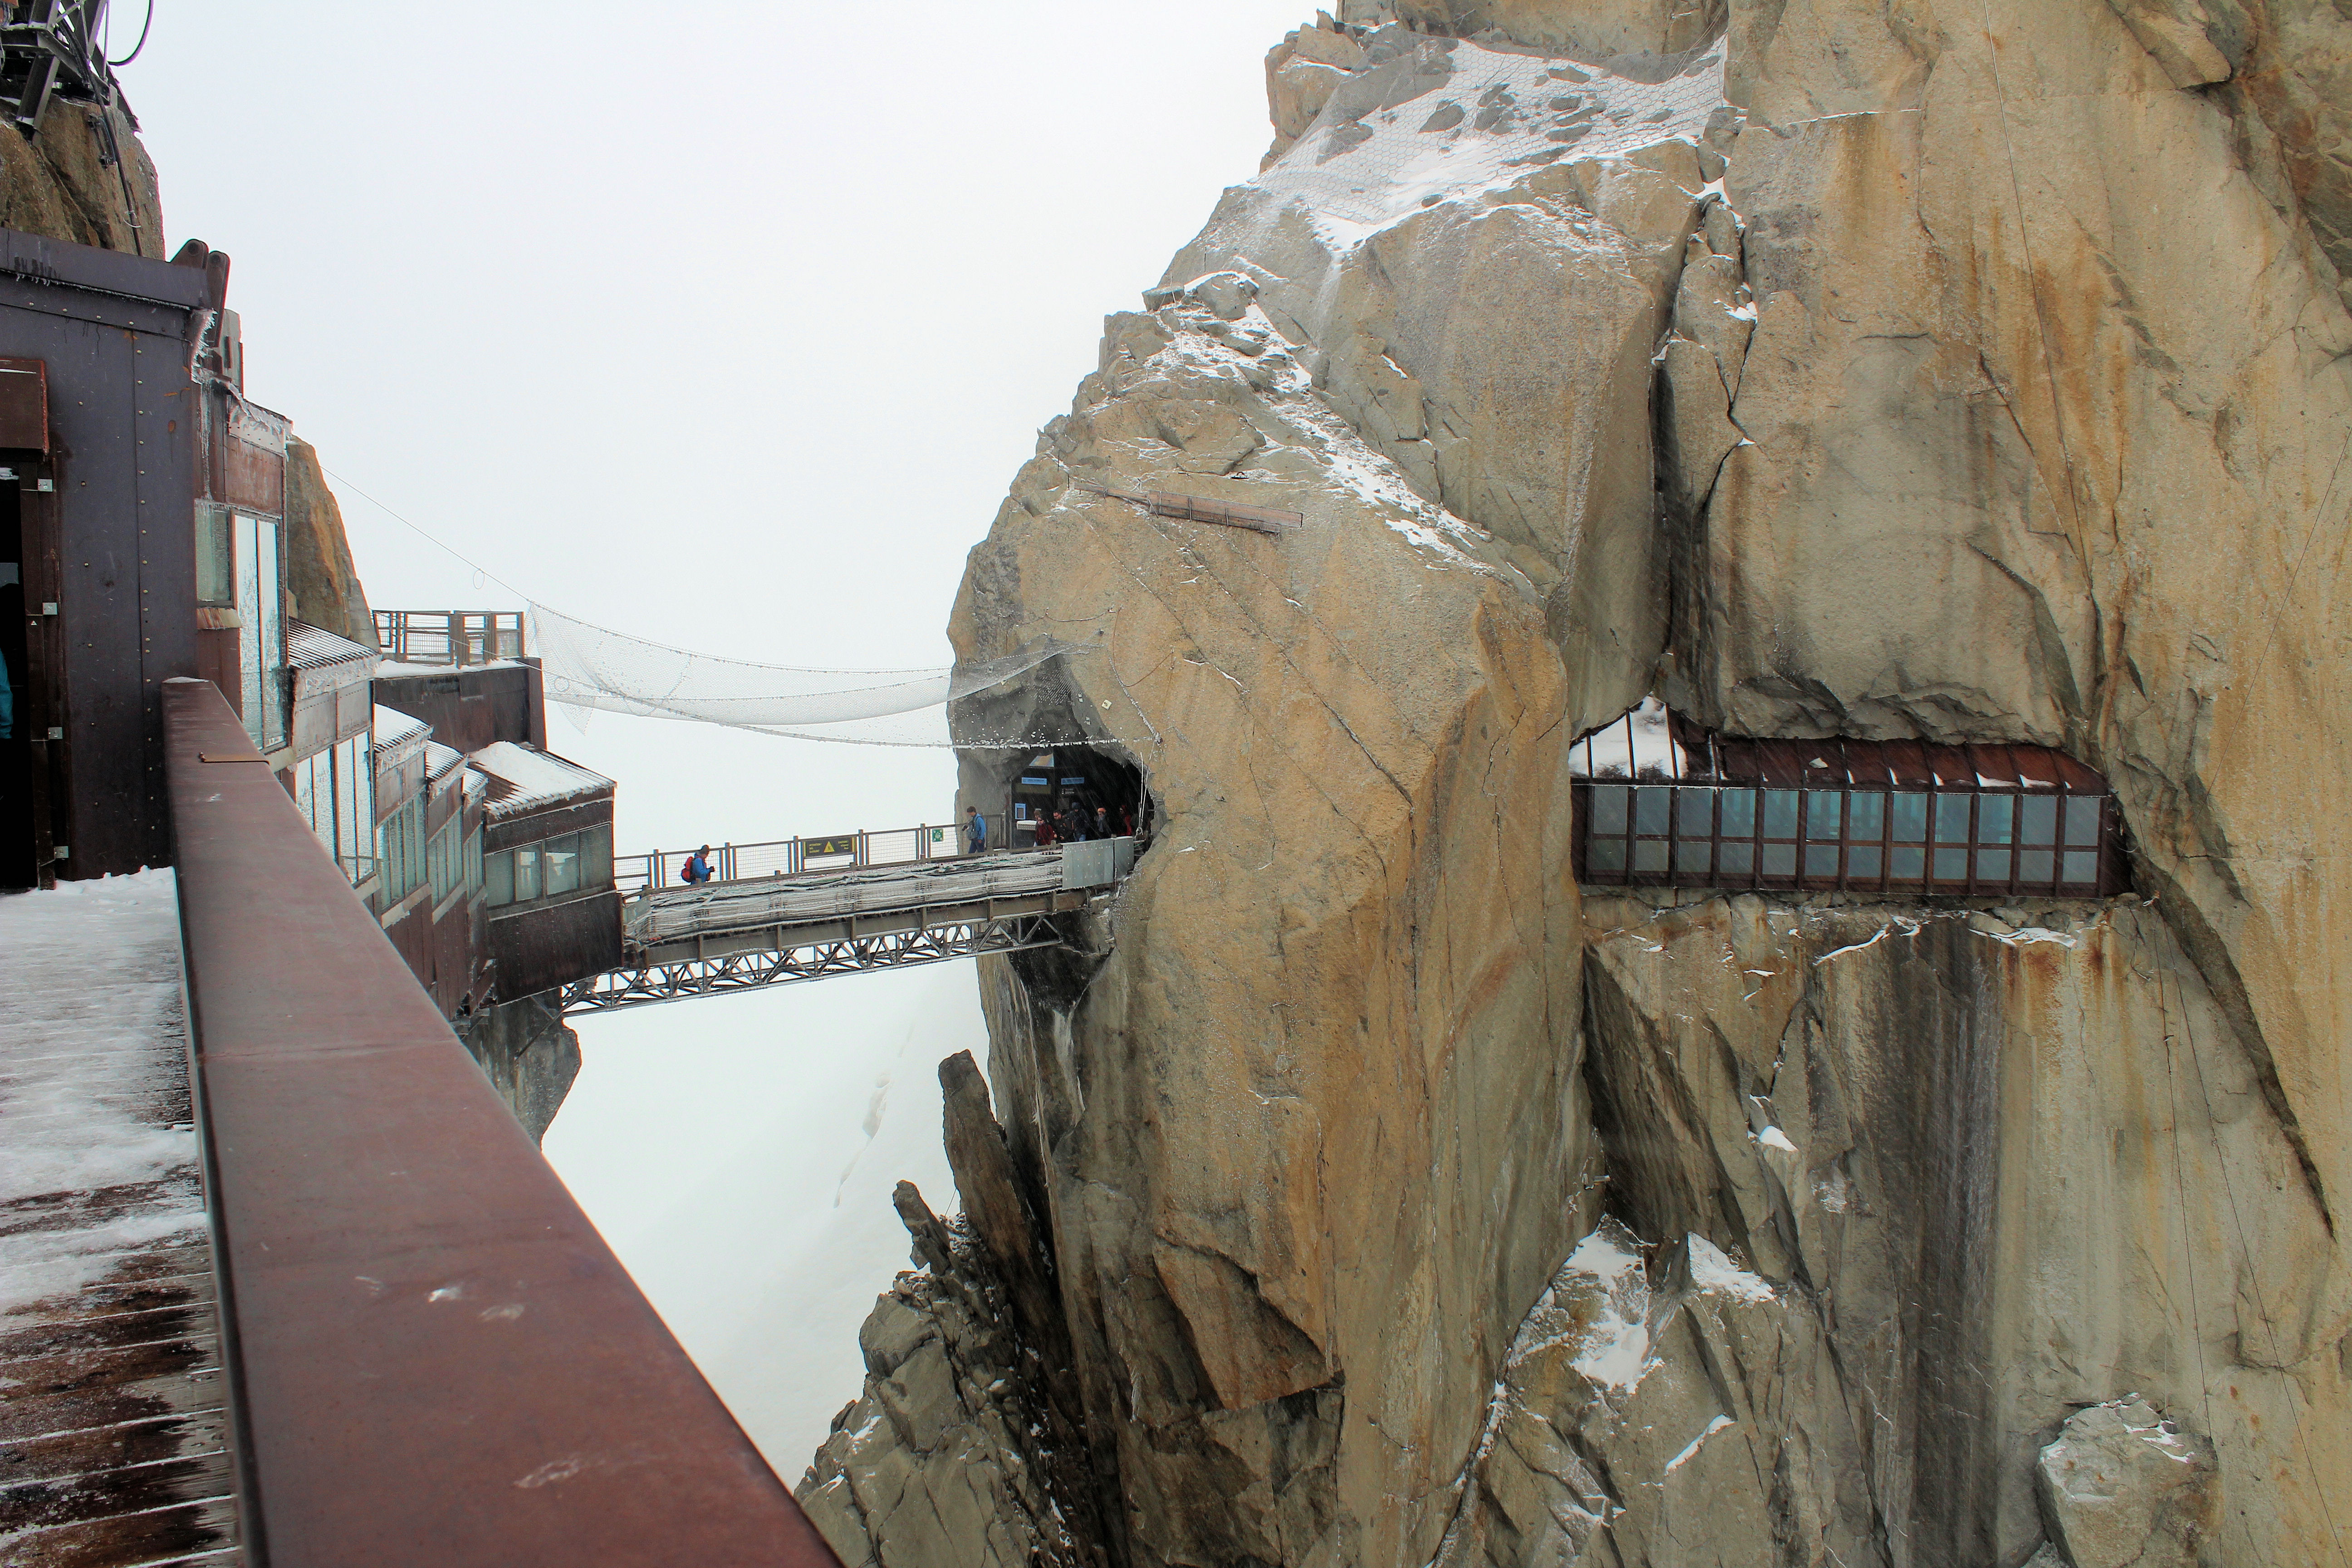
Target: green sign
(938, 834)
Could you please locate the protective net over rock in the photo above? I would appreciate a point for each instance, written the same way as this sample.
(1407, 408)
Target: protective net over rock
(589, 667)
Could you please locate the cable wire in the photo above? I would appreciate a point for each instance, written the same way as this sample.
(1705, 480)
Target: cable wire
(137, 46)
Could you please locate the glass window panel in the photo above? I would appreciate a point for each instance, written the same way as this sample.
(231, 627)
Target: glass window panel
(597, 857)
(1733, 858)
(526, 873)
(1992, 864)
(2082, 820)
(1695, 812)
(1652, 808)
(1821, 862)
(271, 635)
(1910, 812)
(2082, 867)
(1862, 861)
(559, 865)
(1865, 814)
(1607, 809)
(1779, 860)
(2038, 868)
(474, 865)
(1649, 857)
(1908, 865)
(1738, 814)
(2037, 820)
(1606, 855)
(216, 584)
(1825, 813)
(248, 640)
(498, 878)
(1951, 865)
(1779, 819)
(1952, 818)
(1692, 857)
(1995, 815)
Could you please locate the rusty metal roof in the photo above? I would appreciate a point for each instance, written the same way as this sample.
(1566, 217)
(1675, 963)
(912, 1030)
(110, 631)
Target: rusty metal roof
(1834, 763)
(314, 648)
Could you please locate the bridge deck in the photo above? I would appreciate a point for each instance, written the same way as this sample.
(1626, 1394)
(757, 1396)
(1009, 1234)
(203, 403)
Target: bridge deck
(732, 936)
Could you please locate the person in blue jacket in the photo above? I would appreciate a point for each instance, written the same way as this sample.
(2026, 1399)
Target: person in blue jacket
(697, 866)
(975, 832)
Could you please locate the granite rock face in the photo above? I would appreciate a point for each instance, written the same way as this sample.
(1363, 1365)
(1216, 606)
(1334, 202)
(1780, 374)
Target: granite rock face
(1943, 371)
(83, 177)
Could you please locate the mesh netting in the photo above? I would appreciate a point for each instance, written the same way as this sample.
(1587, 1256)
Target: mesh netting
(590, 667)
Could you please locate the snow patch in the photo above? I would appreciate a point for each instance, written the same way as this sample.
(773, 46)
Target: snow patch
(1718, 1424)
(1617, 1346)
(1711, 1270)
(1773, 1138)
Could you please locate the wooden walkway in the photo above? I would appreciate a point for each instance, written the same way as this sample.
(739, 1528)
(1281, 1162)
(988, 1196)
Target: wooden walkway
(114, 1447)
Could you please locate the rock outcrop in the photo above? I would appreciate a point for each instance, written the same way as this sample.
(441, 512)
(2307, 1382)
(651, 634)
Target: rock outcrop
(320, 572)
(1935, 372)
(83, 176)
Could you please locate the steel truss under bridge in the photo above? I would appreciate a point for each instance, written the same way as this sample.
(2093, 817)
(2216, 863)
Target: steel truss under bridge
(637, 986)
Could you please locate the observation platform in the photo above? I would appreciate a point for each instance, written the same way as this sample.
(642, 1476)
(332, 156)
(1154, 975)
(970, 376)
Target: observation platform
(769, 931)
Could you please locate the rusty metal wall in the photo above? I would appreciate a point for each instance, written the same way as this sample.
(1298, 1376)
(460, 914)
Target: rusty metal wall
(542, 946)
(467, 709)
(506, 832)
(113, 332)
(433, 1356)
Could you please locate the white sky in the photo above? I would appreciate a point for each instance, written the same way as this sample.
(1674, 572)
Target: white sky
(726, 326)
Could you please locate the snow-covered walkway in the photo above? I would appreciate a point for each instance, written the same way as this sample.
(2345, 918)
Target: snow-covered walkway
(111, 1400)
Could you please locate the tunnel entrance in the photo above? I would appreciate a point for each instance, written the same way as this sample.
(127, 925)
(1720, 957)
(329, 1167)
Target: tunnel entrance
(1071, 794)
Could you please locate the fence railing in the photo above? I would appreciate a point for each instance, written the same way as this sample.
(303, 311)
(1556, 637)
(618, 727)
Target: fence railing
(794, 856)
(449, 636)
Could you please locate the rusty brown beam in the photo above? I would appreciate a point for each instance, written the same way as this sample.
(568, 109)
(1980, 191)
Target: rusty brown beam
(434, 1357)
(1201, 509)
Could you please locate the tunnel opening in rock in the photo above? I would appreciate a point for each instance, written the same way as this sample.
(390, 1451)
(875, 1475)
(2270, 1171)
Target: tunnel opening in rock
(1662, 802)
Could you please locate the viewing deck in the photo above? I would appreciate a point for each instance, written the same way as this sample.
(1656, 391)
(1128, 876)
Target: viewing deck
(739, 935)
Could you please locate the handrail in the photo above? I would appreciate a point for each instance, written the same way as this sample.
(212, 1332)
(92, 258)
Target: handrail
(920, 844)
(431, 1354)
(455, 637)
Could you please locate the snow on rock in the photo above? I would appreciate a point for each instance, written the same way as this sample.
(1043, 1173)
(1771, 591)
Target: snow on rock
(93, 1083)
(1711, 1270)
(1615, 1350)
(1439, 120)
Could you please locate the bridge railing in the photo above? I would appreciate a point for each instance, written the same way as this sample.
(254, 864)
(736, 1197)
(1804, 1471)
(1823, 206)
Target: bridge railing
(794, 856)
(449, 636)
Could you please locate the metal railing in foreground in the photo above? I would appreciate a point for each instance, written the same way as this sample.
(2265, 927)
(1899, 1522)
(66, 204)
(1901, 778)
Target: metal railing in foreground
(432, 1356)
(449, 636)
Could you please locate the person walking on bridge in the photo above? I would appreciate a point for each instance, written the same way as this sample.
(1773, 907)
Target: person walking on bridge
(975, 832)
(697, 866)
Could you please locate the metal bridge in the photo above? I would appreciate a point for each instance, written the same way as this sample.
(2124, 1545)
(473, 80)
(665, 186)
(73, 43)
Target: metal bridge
(772, 931)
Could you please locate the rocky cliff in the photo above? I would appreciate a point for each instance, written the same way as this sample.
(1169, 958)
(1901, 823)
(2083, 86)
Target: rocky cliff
(1960, 371)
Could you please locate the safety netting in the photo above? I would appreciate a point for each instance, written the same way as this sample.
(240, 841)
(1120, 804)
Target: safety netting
(589, 668)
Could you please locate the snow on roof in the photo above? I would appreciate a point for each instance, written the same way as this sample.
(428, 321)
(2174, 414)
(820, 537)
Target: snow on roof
(395, 730)
(312, 647)
(396, 669)
(439, 759)
(523, 779)
(1480, 119)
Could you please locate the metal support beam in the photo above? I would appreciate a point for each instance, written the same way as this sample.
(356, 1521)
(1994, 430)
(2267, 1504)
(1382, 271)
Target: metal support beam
(644, 983)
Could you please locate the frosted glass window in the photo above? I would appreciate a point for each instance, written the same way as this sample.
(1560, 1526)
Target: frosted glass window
(1735, 859)
(248, 639)
(2081, 824)
(1692, 856)
(1992, 864)
(1909, 865)
(1995, 814)
(1606, 855)
(2037, 867)
(498, 878)
(1649, 857)
(1821, 862)
(1910, 814)
(1779, 860)
(1652, 808)
(1825, 813)
(1862, 863)
(2037, 820)
(2082, 867)
(1951, 819)
(597, 857)
(1695, 812)
(1739, 814)
(1951, 865)
(216, 559)
(270, 638)
(1609, 808)
(1865, 816)
(526, 873)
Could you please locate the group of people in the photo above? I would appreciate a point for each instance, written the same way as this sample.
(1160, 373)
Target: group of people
(1071, 825)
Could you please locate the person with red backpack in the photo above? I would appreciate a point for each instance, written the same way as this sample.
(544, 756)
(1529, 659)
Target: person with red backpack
(697, 869)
